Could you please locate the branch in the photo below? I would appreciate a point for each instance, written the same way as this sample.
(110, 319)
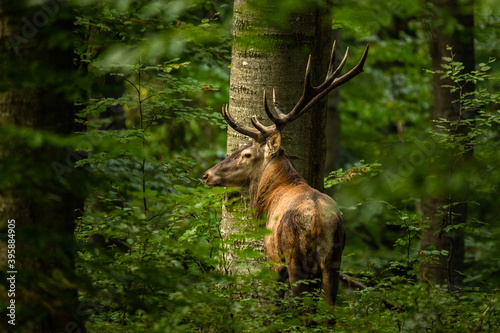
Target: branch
(361, 286)
(352, 283)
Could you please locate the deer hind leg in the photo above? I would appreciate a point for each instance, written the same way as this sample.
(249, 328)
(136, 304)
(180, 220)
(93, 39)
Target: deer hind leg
(330, 283)
(282, 272)
(304, 283)
(302, 270)
(330, 268)
(330, 277)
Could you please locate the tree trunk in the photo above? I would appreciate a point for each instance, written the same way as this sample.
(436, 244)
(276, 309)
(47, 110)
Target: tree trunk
(460, 37)
(267, 55)
(38, 196)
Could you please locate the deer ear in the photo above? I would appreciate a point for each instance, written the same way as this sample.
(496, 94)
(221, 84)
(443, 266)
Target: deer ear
(273, 144)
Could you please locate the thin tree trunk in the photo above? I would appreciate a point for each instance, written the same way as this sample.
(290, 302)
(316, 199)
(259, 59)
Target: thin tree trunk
(447, 270)
(37, 194)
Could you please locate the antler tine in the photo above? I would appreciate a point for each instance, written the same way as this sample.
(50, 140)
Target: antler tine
(307, 79)
(312, 95)
(338, 81)
(332, 60)
(264, 130)
(349, 75)
(266, 108)
(332, 74)
(246, 130)
(278, 119)
(275, 103)
(308, 90)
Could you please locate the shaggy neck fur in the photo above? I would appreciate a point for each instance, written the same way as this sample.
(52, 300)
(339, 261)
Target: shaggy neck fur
(278, 177)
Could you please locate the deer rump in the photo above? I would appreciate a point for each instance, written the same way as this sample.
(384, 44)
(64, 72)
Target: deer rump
(307, 231)
(307, 256)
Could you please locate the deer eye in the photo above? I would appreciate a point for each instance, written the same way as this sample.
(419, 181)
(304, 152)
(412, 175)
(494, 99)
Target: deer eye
(247, 155)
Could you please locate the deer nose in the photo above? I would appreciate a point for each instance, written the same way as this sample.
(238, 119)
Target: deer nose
(205, 177)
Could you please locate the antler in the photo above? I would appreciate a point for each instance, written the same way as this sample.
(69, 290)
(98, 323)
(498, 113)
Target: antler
(310, 96)
(248, 131)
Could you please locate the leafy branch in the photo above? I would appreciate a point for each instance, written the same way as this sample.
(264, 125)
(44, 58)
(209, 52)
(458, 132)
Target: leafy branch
(359, 169)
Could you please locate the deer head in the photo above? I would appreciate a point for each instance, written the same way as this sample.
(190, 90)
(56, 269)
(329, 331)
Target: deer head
(248, 162)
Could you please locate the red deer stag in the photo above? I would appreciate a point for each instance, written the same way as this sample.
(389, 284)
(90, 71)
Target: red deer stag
(307, 230)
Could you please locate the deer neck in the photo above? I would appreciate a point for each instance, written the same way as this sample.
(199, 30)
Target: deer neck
(277, 177)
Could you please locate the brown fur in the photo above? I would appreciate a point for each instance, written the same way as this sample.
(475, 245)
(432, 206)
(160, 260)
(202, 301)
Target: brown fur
(279, 178)
(318, 226)
(307, 231)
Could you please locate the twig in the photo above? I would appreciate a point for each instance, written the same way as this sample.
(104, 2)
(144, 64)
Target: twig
(351, 282)
(361, 286)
